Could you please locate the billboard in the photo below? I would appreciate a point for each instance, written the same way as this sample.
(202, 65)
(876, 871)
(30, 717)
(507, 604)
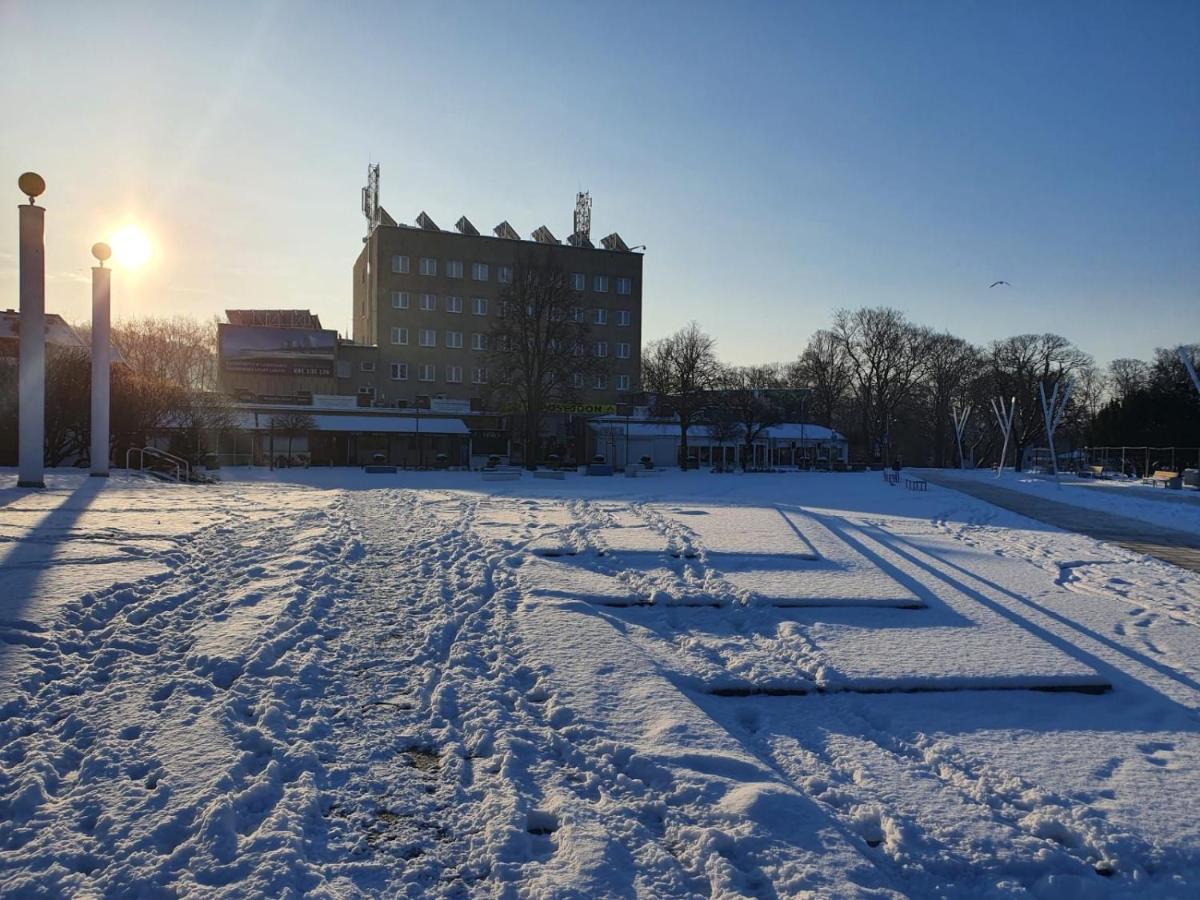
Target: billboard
(268, 350)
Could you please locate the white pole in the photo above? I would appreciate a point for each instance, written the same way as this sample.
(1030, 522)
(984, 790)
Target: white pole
(1004, 420)
(960, 425)
(31, 428)
(1047, 412)
(101, 362)
(1191, 369)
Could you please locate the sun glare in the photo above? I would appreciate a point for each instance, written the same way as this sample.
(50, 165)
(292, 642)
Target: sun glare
(131, 247)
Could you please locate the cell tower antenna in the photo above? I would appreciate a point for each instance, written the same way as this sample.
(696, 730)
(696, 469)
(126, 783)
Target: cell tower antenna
(370, 197)
(583, 215)
(582, 235)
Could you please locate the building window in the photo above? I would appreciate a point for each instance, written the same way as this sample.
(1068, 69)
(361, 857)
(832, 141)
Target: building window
(623, 317)
(429, 302)
(479, 376)
(399, 371)
(601, 382)
(454, 268)
(400, 336)
(425, 372)
(600, 316)
(577, 314)
(454, 304)
(625, 286)
(400, 265)
(622, 382)
(504, 274)
(366, 389)
(479, 271)
(428, 265)
(577, 379)
(366, 366)
(622, 351)
(344, 368)
(601, 349)
(578, 281)
(399, 300)
(428, 337)
(479, 306)
(454, 374)
(479, 341)
(454, 340)
(600, 284)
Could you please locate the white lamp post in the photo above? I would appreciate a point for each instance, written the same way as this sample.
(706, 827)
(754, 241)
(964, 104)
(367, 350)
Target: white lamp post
(101, 360)
(31, 428)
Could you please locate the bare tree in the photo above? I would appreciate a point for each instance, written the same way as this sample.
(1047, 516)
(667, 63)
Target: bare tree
(176, 349)
(745, 392)
(1018, 365)
(720, 421)
(952, 364)
(1127, 377)
(199, 419)
(291, 425)
(886, 355)
(68, 403)
(540, 349)
(682, 369)
(824, 370)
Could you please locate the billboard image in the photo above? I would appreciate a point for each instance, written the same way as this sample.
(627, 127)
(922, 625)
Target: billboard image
(277, 351)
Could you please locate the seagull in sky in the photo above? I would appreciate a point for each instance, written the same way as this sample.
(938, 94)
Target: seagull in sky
(994, 283)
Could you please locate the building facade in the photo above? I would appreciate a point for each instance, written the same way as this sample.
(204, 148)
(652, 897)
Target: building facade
(426, 298)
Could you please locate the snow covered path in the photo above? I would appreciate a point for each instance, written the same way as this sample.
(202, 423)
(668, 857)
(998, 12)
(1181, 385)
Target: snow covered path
(683, 685)
(1179, 546)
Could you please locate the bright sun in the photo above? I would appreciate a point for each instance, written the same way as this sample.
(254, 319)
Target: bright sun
(130, 247)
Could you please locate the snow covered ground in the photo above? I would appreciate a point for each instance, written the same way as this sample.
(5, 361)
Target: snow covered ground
(1124, 497)
(332, 684)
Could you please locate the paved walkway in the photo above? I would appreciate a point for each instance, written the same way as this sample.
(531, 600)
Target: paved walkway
(1169, 544)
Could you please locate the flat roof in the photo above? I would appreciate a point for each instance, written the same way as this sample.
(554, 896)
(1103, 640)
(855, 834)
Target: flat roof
(370, 424)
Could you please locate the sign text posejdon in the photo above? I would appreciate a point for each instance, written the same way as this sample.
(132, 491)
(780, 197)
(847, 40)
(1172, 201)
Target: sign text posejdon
(582, 409)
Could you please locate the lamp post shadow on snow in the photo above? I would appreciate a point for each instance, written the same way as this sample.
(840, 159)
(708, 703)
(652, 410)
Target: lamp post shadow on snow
(1111, 673)
(30, 556)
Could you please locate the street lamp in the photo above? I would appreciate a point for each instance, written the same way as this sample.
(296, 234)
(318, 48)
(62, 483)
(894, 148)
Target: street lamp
(101, 362)
(31, 428)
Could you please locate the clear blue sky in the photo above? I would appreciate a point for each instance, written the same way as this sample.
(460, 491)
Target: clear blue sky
(779, 160)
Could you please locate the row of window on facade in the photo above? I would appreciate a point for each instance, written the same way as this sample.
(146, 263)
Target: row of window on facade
(479, 375)
(482, 272)
(453, 340)
(479, 307)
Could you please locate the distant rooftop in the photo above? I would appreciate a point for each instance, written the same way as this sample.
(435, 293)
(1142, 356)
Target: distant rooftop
(58, 332)
(278, 318)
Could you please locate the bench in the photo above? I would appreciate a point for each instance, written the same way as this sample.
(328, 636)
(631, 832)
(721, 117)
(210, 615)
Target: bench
(379, 470)
(1166, 479)
(501, 474)
(549, 473)
(891, 477)
(916, 484)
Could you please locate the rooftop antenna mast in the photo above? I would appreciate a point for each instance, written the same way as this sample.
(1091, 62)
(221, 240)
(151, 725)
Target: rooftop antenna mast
(581, 236)
(583, 215)
(370, 197)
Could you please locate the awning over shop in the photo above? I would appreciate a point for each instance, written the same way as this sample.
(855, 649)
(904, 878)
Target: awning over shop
(367, 424)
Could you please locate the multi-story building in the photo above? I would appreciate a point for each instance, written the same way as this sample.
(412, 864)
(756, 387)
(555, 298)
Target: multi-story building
(427, 299)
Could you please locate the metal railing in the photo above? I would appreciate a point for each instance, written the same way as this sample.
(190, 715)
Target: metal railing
(181, 464)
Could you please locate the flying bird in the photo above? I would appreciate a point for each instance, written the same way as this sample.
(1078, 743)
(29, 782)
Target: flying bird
(994, 283)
